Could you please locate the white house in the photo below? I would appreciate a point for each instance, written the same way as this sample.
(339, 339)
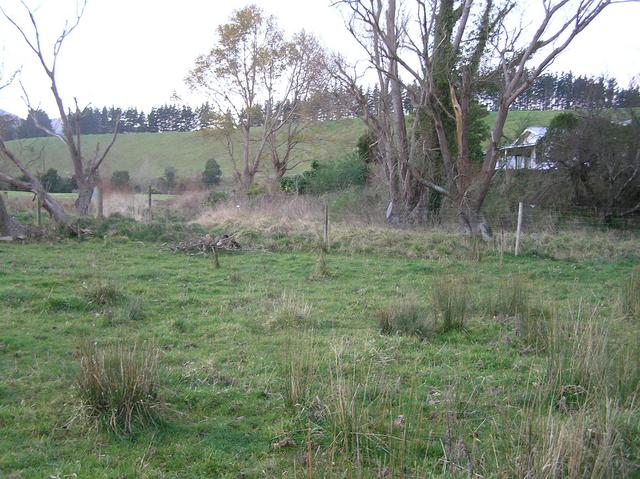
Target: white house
(521, 154)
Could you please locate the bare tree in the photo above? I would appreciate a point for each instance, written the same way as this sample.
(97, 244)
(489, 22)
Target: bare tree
(8, 226)
(305, 74)
(452, 49)
(85, 166)
(255, 77)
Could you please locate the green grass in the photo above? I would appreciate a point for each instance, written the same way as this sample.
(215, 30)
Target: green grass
(73, 196)
(148, 154)
(264, 364)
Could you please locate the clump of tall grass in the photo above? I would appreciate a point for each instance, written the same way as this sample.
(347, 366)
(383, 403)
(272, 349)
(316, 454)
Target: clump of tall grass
(118, 385)
(586, 362)
(534, 329)
(301, 364)
(452, 303)
(583, 421)
(512, 300)
(631, 294)
(290, 311)
(134, 309)
(104, 294)
(404, 316)
(512, 297)
(321, 270)
(355, 415)
(588, 443)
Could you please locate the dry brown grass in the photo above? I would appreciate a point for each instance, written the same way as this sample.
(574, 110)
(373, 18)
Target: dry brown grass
(277, 214)
(288, 223)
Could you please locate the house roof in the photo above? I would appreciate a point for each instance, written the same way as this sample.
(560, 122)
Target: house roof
(529, 137)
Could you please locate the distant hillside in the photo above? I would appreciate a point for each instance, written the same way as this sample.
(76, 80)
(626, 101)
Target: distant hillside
(6, 113)
(148, 154)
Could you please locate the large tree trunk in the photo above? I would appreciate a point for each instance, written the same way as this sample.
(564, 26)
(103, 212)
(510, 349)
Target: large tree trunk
(85, 193)
(8, 226)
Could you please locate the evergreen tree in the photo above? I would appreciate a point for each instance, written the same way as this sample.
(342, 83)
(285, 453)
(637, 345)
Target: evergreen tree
(212, 173)
(28, 128)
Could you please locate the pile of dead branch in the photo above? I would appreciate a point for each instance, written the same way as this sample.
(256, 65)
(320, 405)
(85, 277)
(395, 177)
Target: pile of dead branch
(206, 244)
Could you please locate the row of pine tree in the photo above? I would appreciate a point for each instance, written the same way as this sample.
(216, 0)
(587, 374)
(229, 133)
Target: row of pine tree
(551, 91)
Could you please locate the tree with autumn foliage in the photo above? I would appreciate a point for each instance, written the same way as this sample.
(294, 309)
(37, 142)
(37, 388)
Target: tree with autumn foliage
(254, 75)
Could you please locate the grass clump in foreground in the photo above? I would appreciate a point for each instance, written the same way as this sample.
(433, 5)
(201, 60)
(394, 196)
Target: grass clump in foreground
(452, 302)
(631, 294)
(118, 386)
(404, 316)
(104, 293)
(290, 311)
(323, 394)
(584, 419)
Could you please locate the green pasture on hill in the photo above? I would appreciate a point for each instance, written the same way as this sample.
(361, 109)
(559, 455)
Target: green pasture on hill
(230, 338)
(146, 155)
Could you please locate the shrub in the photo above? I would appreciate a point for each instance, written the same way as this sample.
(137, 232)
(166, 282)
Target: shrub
(404, 317)
(120, 180)
(256, 190)
(451, 300)
(212, 173)
(169, 180)
(51, 180)
(216, 197)
(54, 183)
(118, 386)
(351, 170)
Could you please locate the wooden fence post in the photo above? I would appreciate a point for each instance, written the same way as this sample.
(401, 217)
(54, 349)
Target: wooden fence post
(99, 203)
(325, 235)
(519, 228)
(150, 210)
(216, 261)
(39, 210)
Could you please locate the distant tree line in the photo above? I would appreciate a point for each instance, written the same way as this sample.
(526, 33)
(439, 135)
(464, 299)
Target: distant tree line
(551, 91)
(565, 91)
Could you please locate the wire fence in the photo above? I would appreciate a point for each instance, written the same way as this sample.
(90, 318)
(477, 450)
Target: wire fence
(539, 219)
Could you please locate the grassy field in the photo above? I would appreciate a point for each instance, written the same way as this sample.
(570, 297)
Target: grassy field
(148, 154)
(292, 364)
(72, 196)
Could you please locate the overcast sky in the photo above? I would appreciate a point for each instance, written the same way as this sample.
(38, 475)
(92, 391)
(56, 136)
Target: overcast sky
(137, 52)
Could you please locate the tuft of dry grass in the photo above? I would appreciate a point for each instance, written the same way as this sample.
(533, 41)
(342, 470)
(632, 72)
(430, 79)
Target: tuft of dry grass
(405, 317)
(631, 294)
(118, 386)
(321, 270)
(585, 444)
(134, 309)
(104, 294)
(290, 311)
(452, 303)
(585, 362)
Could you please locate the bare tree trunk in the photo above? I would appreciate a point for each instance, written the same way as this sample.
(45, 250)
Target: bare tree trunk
(8, 226)
(85, 193)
